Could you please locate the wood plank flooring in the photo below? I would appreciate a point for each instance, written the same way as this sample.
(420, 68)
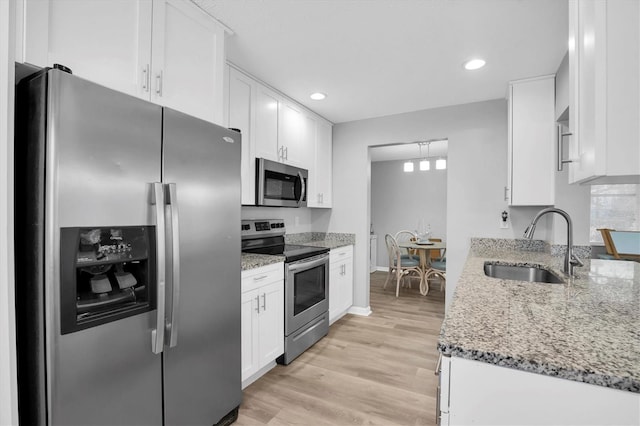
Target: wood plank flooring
(375, 370)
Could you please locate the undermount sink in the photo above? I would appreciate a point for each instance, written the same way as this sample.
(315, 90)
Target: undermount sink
(521, 273)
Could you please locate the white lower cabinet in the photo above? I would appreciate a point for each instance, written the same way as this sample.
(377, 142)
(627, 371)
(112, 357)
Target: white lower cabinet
(474, 392)
(262, 320)
(340, 282)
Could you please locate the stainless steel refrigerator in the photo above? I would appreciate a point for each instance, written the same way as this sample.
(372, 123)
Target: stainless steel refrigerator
(127, 259)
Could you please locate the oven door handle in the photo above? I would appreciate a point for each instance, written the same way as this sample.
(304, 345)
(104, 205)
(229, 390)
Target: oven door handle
(308, 263)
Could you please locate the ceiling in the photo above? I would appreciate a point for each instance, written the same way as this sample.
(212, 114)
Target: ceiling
(382, 57)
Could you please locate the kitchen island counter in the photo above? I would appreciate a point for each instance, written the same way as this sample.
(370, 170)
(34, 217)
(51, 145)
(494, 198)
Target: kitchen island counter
(587, 330)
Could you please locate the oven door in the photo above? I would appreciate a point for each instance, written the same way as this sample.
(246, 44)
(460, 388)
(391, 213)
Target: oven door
(306, 291)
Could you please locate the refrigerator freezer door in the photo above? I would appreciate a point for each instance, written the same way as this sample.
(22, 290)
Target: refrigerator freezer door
(103, 151)
(202, 372)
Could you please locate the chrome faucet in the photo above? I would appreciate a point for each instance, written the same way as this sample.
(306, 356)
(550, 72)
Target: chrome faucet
(570, 259)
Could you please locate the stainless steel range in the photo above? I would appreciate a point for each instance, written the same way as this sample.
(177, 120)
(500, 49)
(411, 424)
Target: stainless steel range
(306, 287)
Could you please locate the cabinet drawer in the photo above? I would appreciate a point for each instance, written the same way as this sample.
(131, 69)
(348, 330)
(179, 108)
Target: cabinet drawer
(341, 253)
(254, 278)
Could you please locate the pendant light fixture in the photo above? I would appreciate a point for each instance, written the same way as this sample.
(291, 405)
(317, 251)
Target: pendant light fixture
(424, 163)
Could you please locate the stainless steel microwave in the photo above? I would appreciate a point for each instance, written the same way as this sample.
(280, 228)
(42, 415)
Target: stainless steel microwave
(280, 185)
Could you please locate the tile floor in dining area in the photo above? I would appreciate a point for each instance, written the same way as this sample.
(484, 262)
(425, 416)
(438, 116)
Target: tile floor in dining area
(368, 370)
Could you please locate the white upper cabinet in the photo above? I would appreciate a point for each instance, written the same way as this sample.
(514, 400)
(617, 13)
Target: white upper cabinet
(266, 124)
(296, 135)
(531, 142)
(320, 180)
(278, 129)
(167, 51)
(604, 91)
(106, 41)
(241, 110)
(187, 60)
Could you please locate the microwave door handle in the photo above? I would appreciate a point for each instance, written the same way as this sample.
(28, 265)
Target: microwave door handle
(303, 189)
(158, 201)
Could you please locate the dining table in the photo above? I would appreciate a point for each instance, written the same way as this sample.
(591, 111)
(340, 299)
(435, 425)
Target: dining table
(424, 253)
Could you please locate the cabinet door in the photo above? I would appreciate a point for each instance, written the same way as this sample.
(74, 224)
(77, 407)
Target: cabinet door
(250, 333)
(335, 290)
(188, 60)
(291, 133)
(531, 142)
(241, 110)
(586, 26)
(271, 322)
(347, 286)
(321, 177)
(307, 142)
(105, 41)
(266, 127)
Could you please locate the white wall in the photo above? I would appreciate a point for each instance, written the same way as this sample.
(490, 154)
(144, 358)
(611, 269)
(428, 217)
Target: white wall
(477, 170)
(8, 381)
(400, 200)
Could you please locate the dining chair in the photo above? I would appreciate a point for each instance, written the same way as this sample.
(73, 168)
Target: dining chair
(398, 266)
(402, 236)
(437, 264)
(437, 254)
(622, 245)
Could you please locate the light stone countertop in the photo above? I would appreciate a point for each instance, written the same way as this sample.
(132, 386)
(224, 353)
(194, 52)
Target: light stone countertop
(330, 240)
(252, 261)
(316, 239)
(587, 330)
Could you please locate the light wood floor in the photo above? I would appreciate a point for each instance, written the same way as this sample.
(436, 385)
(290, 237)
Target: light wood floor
(368, 370)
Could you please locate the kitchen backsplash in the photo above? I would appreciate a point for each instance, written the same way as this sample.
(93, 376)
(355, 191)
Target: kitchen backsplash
(583, 252)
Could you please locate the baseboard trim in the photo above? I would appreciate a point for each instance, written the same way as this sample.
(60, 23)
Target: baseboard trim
(382, 268)
(357, 310)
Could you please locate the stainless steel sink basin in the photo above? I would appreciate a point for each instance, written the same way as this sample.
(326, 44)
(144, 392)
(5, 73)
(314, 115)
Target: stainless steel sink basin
(521, 273)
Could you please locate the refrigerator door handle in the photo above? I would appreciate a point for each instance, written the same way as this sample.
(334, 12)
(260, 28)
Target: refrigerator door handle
(172, 326)
(158, 201)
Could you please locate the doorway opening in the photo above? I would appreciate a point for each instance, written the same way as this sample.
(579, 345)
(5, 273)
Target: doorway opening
(408, 192)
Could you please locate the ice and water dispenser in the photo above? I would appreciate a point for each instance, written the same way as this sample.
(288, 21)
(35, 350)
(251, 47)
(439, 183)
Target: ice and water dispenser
(107, 273)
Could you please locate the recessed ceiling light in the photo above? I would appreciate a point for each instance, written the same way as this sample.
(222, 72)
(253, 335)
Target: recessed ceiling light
(318, 96)
(474, 64)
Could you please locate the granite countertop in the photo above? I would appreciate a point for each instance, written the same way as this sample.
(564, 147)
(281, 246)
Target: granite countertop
(252, 261)
(330, 240)
(316, 239)
(587, 330)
